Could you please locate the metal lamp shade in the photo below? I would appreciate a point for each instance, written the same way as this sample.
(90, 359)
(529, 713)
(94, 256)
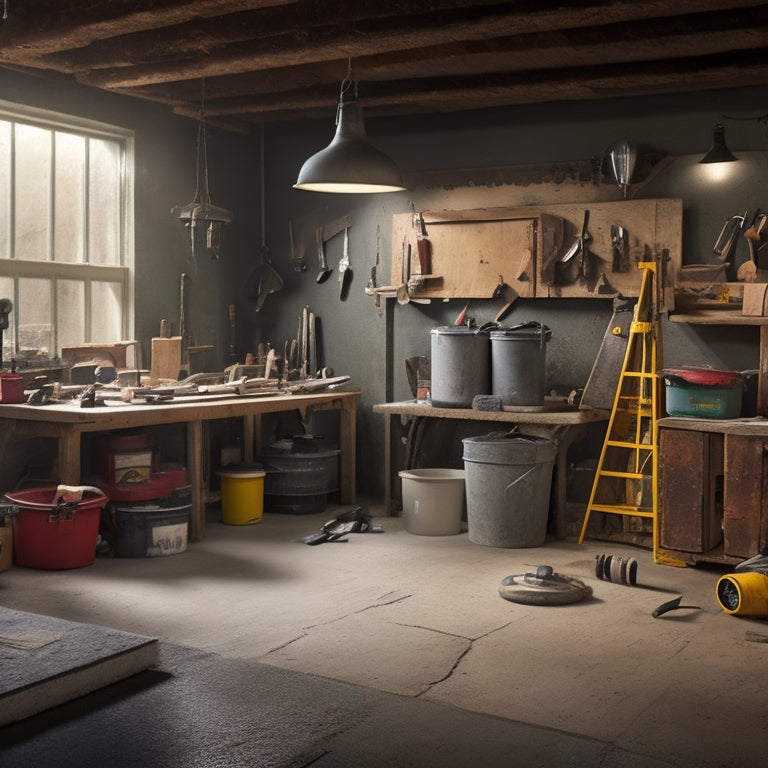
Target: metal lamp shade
(350, 164)
(718, 152)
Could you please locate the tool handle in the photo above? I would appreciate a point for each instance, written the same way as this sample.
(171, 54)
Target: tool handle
(424, 249)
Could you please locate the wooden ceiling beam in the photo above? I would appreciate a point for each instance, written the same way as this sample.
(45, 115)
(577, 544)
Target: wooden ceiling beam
(220, 50)
(34, 30)
(432, 95)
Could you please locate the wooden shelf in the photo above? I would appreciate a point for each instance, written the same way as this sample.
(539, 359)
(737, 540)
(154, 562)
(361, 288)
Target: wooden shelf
(716, 316)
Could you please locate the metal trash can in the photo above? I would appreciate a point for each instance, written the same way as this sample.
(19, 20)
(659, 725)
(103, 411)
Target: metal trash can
(518, 363)
(508, 480)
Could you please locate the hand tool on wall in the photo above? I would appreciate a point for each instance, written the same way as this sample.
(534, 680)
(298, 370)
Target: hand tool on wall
(345, 271)
(620, 243)
(371, 285)
(571, 265)
(403, 294)
(298, 263)
(424, 248)
(322, 236)
(323, 271)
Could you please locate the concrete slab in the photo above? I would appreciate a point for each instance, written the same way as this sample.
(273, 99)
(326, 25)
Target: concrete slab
(46, 662)
(419, 619)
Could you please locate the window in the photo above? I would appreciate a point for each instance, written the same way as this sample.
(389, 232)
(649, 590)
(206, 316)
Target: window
(66, 223)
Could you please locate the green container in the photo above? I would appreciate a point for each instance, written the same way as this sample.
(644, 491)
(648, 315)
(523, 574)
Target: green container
(702, 401)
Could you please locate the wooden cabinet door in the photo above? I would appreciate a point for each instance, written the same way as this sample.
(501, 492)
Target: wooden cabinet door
(690, 490)
(743, 523)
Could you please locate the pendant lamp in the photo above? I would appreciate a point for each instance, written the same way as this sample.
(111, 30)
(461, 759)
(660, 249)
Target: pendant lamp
(718, 152)
(349, 164)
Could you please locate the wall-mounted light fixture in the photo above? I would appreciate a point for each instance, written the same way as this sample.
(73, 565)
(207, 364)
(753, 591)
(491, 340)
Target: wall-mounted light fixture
(350, 163)
(718, 152)
(622, 156)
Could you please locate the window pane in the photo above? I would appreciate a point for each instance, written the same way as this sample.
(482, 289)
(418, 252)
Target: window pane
(69, 193)
(5, 189)
(106, 300)
(33, 192)
(70, 315)
(104, 202)
(34, 316)
(6, 292)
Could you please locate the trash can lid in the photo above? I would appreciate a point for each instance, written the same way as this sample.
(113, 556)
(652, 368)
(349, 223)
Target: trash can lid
(523, 332)
(510, 447)
(464, 330)
(241, 468)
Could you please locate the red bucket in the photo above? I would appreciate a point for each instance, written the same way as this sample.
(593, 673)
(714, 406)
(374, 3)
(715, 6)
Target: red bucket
(55, 536)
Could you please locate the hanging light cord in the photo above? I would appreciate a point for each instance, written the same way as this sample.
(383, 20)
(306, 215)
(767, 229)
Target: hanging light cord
(202, 149)
(347, 85)
(5, 9)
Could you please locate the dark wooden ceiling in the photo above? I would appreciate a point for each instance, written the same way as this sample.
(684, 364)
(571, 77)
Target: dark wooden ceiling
(269, 60)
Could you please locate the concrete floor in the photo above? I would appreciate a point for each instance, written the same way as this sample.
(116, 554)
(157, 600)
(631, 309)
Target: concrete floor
(396, 650)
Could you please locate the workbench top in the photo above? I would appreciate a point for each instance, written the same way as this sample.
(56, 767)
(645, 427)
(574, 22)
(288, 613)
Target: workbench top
(551, 413)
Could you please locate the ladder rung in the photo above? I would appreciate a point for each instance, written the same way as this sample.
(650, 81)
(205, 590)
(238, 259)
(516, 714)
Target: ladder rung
(627, 444)
(621, 509)
(627, 475)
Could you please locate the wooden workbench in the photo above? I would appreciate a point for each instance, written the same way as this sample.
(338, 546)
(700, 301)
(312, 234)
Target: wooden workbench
(67, 422)
(561, 424)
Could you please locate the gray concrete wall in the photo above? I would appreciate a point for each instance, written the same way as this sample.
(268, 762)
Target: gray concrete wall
(354, 334)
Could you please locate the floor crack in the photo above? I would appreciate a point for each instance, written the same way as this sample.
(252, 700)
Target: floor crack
(470, 640)
(310, 627)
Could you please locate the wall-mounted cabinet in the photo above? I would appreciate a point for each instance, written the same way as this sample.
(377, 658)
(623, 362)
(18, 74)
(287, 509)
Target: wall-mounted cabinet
(564, 251)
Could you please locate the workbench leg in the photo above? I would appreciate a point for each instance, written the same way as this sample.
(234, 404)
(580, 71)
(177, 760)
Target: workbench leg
(196, 476)
(569, 435)
(388, 465)
(69, 457)
(251, 436)
(348, 447)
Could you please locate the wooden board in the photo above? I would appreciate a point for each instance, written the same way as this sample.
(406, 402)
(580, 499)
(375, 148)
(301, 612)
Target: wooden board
(166, 358)
(473, 251)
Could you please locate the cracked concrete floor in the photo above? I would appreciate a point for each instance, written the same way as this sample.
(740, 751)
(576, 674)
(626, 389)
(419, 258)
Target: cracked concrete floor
(420, 617)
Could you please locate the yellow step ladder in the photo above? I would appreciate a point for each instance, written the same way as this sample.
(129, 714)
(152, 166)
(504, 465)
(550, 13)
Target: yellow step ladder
(626, 478)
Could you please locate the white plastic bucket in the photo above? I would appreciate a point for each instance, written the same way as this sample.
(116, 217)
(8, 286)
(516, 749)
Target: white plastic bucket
(433, 501)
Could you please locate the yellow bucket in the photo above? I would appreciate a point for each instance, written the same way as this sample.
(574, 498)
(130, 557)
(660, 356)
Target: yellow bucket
(242, 494)
(745, 594)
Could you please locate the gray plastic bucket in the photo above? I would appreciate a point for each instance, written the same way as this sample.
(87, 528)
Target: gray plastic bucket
(518, 363)
(433, 501)
(461, 366)
(508, 479)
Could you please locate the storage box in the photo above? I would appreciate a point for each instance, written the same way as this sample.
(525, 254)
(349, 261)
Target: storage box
(127, 459)
(55, 536)
(11, 388)
(702, 401)
(153, 529)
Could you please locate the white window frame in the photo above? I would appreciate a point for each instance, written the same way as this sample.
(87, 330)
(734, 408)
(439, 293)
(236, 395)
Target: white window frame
(122, 274)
